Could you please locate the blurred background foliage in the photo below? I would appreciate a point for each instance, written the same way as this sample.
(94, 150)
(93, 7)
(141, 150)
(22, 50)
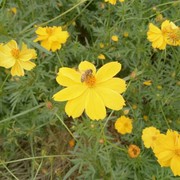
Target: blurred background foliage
(34, 142)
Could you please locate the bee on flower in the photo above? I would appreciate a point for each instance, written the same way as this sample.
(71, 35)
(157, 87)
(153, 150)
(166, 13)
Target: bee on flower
(90, 90)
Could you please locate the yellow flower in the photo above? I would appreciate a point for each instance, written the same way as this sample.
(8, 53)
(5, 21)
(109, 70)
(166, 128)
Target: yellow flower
(149, 136)
(101, 56)
(145, 117)
(13, 10)
(159, 87)
(91, 91)
(51, 38)
(147, 83)
(167, 150)
(121, 0)
(133, 151)
(114, 38)
(156, 36)
(111, 1)
(169, 34)
(126, 34)
(123, 125)
(172, 34)
(101, 45)
(11, 56)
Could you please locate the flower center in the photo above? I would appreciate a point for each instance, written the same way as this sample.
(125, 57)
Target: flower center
(49, 31)
(134, 151)
(88, 78)
(174, 36)
(15, 53)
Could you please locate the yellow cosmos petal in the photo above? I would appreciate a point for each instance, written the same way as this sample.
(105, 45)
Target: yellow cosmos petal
(85, 65)
(107, 71)
(41, 31)
(153, 36)
(46, 44)
(68, 77)
(175, 165)
(27, 65)
(6, 62)
(69, 93)
(165, 24)
(12, 45)
(62, 36)
(75, 107)
(55, 46)
(153, 28)
(94, 106)
(165, 155)
(116, 84)
(111, 99)
(27, 54)
(17, 70)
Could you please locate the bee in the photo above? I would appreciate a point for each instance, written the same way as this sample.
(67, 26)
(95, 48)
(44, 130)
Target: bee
(86, 74)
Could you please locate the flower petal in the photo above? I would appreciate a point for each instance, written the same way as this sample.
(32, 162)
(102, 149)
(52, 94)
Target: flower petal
(27, 65)
(116, 84)
(69, 93)
(68, 77)
(17, 70)
(6, 62)
(107, 71)
(75, 107)
(94, 106)
(175, 165)
(111, 99)
(85, 65)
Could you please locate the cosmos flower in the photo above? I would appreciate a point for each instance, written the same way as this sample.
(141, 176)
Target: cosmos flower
(101, 56)
(168, 34)
(18, 59)
(167, 151)
(123, 125)
(91, 91)
(133, 151)
(113, 2)
(114, 38)
(51, 38)
(149, 136)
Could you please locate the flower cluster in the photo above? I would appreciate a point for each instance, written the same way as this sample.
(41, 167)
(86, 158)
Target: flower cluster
(166, 147)
(18, 58)
(169, 34)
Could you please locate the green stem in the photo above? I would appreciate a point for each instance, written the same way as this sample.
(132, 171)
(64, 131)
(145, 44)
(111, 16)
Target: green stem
(22, 113)
(35, 157)
(4, 81)
(9, 171)
(65, 126)
(165, 117)
(102, 129)
(61, 63)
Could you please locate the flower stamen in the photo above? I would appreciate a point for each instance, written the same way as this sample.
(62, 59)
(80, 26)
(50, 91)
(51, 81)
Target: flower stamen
(88, 78)
(15, 53)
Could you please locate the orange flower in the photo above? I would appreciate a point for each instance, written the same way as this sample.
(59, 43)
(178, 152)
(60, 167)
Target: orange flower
(133, 151)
